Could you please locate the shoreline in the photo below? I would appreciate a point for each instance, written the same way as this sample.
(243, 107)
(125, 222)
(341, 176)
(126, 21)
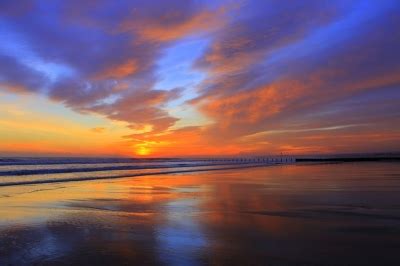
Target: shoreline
(50, 181)
(222, 166)
(296, 214)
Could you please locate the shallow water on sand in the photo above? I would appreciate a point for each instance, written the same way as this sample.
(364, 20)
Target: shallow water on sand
(315, 214)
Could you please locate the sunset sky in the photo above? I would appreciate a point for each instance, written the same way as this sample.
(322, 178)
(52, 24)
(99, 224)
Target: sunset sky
(199, 78)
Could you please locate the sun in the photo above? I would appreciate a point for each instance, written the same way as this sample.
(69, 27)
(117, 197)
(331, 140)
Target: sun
(143, 151)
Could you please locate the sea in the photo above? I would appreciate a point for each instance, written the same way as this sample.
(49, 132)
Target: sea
(36, 170)
(233, 211)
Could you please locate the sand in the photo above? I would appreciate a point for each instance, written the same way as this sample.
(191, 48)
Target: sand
(316, 214)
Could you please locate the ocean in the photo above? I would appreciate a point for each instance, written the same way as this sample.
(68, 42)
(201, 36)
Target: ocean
(23, 171)
(281, 214)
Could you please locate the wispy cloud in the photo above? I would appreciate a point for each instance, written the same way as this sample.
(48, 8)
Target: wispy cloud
(270, 75)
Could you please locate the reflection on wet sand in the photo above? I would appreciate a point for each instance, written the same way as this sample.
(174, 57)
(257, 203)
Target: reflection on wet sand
(282, 215)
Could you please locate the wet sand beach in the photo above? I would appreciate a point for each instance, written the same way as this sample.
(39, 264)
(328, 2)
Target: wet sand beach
(300, 214)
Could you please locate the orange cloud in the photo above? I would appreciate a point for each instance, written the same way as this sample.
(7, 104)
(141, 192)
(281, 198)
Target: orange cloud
(118, 71)
(174, 24)
(198, 23)
(252, 106)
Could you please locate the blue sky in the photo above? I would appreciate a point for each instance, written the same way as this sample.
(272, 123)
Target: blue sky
(188, 78)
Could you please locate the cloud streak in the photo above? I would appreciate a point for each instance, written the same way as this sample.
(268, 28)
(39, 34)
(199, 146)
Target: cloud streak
(270, 66)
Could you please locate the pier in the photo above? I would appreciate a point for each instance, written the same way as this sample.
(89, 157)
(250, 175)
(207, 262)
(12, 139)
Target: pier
(252, 160)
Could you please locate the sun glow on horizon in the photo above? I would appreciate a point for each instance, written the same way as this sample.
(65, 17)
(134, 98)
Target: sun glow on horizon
(143, 151)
